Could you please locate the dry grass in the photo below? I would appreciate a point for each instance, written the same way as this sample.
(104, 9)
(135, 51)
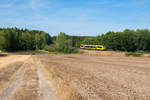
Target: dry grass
(103, 53)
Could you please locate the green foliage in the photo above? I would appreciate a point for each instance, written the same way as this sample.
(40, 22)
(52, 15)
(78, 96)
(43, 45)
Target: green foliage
(89, 41)
(134, 54)
(2, 41)
(75, 50)
(50, 48)
(77, 40)
(128, 40)
(143, 40)
(13, 39)
(63, 43)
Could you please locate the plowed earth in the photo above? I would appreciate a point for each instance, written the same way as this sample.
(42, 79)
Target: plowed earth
(74, 77)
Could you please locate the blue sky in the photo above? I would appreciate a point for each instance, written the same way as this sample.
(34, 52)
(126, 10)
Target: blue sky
(75, 17)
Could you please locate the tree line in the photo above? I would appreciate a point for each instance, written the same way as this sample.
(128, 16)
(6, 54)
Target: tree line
(14, 39)
(128, 40)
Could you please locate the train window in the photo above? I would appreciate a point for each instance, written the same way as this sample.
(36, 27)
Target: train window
(90, 47)
(87, 46)
(93, 47)
(99, 47)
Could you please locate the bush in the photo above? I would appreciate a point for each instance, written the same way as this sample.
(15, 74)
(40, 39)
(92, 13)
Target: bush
(64, 44)
(50, 48)
(75, 51)
(134, 54)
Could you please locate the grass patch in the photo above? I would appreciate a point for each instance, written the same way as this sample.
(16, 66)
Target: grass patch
(135, 54)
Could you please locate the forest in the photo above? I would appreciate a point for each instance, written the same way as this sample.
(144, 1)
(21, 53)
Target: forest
(14, 39)
(128, 40)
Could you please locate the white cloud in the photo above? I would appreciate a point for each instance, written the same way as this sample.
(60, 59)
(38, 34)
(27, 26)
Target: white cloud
(74, 20)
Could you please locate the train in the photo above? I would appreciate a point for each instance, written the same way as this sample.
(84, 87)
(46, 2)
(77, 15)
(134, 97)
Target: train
(92, 47)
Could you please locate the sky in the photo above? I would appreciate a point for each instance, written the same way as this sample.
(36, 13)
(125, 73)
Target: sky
(75, 17)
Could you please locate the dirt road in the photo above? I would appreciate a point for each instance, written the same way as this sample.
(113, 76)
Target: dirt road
(74, 77)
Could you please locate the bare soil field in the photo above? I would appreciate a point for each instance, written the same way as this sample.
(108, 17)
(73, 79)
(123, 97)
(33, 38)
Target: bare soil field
(6, 60)
(74, 77)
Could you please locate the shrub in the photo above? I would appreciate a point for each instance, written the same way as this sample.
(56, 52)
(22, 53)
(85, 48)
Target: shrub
(75, 50)
(64, 44)
(134, 54)
(50, 48)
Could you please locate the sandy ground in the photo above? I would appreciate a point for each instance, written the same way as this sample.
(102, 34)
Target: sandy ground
(4, 61)
(74, 77)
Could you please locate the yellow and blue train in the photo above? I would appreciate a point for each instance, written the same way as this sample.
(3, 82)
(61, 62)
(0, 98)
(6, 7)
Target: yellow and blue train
(92, 47)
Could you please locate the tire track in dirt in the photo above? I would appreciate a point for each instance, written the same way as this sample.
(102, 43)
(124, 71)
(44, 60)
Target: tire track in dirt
(62, 89)
(35, 84)
(46, 90)
(45, 87)
(29, 82)
(7, 94)
(29, 89)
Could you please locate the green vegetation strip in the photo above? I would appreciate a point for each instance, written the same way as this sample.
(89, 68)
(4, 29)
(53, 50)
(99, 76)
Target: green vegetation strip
(14, 39)
(134, 54)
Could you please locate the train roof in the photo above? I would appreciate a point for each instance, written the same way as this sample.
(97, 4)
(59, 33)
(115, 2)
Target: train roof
(90, 45)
